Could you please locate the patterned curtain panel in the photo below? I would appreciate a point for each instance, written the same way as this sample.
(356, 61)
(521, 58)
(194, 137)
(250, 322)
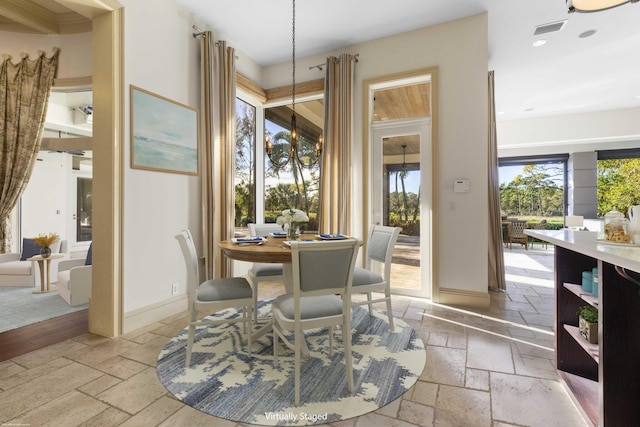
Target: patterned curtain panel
(225, 149)
(334, 214)
(24, 94)
(208, 192)
(496, 256)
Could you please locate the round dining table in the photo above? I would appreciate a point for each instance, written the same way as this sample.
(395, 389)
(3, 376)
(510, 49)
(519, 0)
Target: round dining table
(269, 250)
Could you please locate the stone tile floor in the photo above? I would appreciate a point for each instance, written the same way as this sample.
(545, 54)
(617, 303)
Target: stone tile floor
(493, 367)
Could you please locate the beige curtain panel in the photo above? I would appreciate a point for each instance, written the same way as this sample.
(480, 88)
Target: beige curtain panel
(334, 215)
(208, 189)
(225, 149)
(24, 94)
(496, 256)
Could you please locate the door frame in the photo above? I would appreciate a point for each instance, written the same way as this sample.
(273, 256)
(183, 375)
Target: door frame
(387, 129)
(72, 207)
(431, 226)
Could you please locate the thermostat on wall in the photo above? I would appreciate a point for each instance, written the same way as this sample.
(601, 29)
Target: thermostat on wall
(461, 186)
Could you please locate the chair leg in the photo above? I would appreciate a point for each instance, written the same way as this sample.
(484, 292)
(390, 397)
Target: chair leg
(387, 293)
(369, 303)
(193, 317)
(346, 339)
(298, 337)
(247, 322)
(331, 340)
(255, 301)
(275, 347)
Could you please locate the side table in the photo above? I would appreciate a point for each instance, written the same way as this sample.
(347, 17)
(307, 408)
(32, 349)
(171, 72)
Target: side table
(44, 265)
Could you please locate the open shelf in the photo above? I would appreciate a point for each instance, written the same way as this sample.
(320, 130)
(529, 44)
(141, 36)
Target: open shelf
(592, 349)
(585, 393)
(584, 295)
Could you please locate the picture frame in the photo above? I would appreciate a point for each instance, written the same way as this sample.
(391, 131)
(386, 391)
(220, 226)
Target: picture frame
(165, 134)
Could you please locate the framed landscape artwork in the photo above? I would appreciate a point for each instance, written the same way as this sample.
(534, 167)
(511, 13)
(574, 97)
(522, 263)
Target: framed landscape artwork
(164, 134)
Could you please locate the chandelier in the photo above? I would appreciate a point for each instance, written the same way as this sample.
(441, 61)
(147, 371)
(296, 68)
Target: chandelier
(294, 154)
(595, 5)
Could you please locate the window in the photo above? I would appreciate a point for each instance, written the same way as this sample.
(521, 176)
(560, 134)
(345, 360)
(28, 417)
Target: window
(296, 183)
(533, 188)
(293, 185)
(245, 176)
(618, 176)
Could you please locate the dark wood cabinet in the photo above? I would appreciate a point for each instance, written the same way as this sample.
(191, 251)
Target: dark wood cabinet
(603, 378)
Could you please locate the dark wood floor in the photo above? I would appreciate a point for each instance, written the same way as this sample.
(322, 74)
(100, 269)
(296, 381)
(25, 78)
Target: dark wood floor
(33, 337)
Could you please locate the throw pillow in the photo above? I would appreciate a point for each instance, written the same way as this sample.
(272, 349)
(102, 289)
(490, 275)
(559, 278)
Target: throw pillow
(89, 259)
(29, 249)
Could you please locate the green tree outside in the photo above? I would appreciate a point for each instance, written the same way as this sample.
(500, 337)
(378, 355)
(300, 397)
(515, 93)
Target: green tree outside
(618, 185)
(535, 192)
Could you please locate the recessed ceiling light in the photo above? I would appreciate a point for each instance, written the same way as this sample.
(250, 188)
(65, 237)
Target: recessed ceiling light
(539, 43)
(587, 33)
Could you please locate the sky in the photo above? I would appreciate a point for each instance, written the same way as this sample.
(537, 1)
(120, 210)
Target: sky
(507, 173)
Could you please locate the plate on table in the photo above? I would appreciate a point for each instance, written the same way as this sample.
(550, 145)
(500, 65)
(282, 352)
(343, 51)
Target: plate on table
(278, 234)
(247, 240)
(332, 236)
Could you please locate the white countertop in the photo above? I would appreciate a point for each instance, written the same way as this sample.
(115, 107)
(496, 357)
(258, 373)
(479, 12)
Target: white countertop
(585, 242)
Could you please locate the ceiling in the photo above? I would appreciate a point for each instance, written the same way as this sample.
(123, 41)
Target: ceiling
(41, 16)
(567, 75)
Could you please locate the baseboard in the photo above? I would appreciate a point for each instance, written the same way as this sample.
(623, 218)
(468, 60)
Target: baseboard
(144, 316)
(459, 297)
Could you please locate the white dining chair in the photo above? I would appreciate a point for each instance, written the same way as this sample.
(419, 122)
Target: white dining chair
(212, 295)
(263, 272)
(322, 277)
(380, 244)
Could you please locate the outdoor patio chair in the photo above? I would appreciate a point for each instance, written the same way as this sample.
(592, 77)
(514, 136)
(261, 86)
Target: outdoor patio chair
(517, 233)
(540, 226)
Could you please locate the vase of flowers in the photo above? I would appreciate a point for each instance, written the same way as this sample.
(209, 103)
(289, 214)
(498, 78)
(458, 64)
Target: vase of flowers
(290, 222)
(46, 240)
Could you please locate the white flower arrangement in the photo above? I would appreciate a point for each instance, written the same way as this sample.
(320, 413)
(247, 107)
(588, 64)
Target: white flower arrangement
(290, 221)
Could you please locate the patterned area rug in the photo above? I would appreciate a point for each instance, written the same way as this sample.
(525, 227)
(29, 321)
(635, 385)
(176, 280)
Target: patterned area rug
(223, 381)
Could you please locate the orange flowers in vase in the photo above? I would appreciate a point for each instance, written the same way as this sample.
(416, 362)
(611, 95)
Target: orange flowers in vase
(46, 240)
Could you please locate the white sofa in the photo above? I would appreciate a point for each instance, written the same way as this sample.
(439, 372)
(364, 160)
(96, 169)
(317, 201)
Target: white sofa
(14, 272)
(74, 281)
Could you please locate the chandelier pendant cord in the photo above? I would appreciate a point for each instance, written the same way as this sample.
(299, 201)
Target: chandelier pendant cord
(293, 59)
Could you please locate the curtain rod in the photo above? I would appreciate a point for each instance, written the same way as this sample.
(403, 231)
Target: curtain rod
(320, 66)
(198, 31)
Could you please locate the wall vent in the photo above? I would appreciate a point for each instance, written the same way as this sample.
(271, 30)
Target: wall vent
(551, 27)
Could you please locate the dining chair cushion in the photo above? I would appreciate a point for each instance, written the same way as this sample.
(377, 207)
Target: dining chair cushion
(310, 307)
(266, 269)
(224, 289)
(362, 276)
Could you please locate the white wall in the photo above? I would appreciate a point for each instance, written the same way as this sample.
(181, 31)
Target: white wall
(460, 50)
(75, 50)
(44, 202)
(570, 133)
(163, 57)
